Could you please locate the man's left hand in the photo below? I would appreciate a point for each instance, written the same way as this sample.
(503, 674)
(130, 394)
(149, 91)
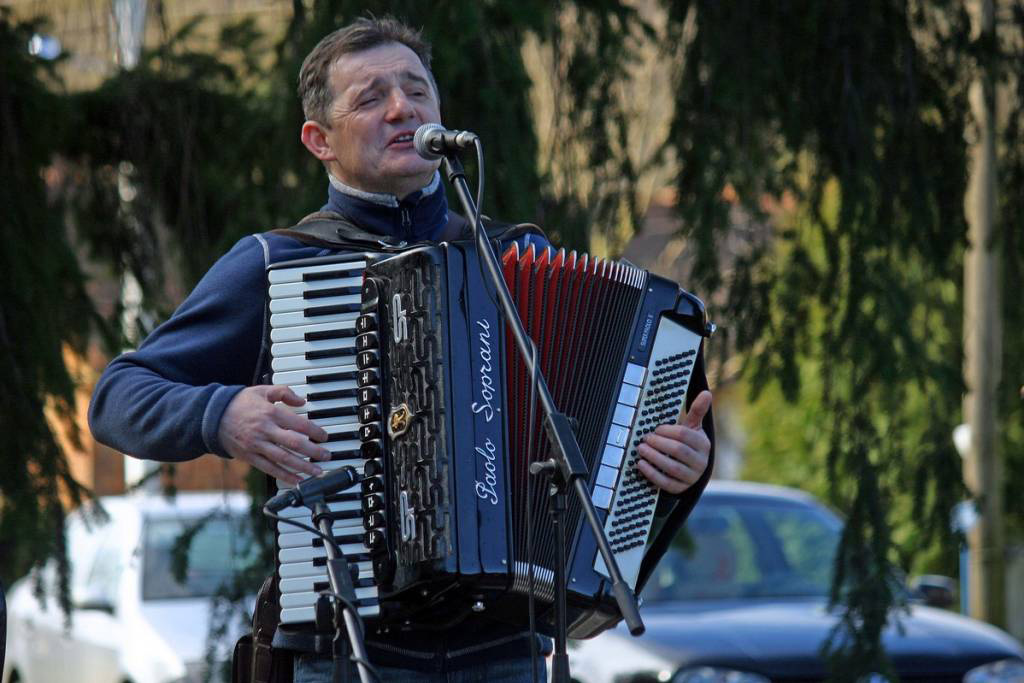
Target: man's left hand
(673, 457)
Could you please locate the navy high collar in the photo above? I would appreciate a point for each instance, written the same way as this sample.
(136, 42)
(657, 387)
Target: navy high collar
(419, 217)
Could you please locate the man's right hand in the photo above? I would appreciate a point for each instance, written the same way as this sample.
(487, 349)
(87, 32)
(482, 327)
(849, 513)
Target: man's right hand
(256, 430)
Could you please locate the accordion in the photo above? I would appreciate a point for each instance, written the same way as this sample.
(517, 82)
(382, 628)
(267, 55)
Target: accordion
(405, 360)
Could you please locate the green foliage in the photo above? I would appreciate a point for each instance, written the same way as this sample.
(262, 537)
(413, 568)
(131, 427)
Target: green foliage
(44, 309)
(850, 309)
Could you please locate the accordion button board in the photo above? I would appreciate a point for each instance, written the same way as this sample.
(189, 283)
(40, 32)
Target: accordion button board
(317, 333)
(656, 400)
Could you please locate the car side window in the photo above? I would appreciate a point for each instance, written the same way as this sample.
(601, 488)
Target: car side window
(806, 543)
(105, 576)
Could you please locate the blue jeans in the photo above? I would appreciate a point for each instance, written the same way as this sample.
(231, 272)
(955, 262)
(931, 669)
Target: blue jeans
(317, 669)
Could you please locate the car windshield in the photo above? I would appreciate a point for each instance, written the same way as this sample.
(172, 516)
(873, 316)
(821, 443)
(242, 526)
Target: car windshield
(735, 547)
(192, 558)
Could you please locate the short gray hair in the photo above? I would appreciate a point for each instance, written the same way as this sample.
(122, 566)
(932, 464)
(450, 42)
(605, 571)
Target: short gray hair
(362, 34)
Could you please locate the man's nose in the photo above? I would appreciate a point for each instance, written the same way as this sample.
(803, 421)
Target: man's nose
(399, 106)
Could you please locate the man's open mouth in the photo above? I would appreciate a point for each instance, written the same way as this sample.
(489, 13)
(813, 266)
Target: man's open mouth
(398, 139)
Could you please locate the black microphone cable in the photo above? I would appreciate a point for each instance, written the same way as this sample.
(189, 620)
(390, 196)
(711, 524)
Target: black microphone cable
(531, 607)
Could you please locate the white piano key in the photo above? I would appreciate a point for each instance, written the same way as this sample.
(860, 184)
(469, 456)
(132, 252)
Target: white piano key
(301, 615)
(301, 363)
(303, 514)
(299, 304)
(298, 348)
(293, 318)
(311, 570)
(278, 275)
(309, 598)
(301, 539)
(303, 584)
(309, 553)
(299, 377)
(310, 406)
(299, 332)
(287, 290)
(342, 444)
(305, 390)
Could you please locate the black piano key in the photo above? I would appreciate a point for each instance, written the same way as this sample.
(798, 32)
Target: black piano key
(355, 557)
(344, 497)
(368, 377)
(320, 335)
(369, 432)
(373, 468)
(330, 310)
(345, 454)
(329, 353)
(332, 412)
(331, 291)
(340, 539)
(345, 514)
(331, 377)
(343, 270)
(328, 395)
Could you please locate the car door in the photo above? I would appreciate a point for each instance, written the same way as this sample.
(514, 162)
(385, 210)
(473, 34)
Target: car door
(89, 650)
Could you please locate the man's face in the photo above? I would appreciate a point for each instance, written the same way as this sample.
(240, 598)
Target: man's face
(381, 96)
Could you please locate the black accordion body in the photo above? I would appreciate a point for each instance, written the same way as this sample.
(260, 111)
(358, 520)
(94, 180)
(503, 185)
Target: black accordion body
(406, 361)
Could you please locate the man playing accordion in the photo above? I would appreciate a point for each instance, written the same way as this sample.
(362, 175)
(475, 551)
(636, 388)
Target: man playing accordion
(197, 384)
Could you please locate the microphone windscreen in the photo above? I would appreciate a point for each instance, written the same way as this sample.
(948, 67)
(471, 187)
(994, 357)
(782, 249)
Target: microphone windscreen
(421, 142)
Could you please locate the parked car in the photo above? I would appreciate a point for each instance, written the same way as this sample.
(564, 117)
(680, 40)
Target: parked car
(133, 620)
(742, 597)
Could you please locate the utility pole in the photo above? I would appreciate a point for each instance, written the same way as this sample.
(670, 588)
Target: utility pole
(983, 336)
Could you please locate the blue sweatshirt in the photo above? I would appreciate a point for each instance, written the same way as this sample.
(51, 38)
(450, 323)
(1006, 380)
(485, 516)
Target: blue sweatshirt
(165, 401)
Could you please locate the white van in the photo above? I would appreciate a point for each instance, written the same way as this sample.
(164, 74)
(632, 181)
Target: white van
(135, 617)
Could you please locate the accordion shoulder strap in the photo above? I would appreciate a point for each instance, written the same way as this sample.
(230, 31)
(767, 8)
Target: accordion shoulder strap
(334, 231)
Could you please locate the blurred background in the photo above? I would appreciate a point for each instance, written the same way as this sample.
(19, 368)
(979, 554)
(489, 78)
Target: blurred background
(841, 182)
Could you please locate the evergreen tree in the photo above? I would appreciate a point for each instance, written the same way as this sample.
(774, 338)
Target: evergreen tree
(857, 110)
(44, 314)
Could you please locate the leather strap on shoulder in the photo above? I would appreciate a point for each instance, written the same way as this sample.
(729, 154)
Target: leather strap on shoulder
(331, 230)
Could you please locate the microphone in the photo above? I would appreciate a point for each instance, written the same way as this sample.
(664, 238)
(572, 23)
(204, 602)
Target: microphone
(314, 489)
(433, 141)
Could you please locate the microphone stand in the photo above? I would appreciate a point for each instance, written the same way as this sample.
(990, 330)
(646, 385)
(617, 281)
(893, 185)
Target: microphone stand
(340, 578)
(567, 469)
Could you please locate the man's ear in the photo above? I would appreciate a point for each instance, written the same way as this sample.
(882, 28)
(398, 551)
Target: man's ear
(314, 137)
